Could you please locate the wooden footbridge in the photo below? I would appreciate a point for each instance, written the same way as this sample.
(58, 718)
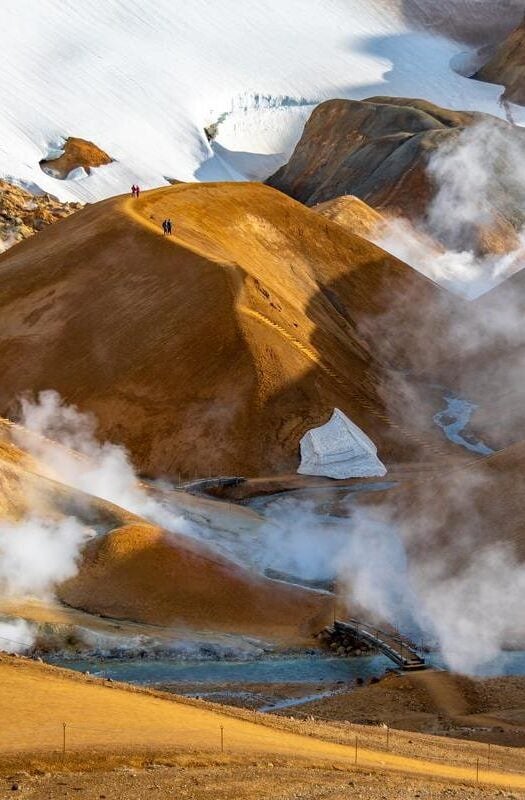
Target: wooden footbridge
(397, 648)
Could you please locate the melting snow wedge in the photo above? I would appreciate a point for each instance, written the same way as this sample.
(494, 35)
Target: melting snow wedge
(339, 449)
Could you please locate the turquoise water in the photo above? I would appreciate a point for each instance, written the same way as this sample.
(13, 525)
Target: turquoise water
(454, 421)
(298, 669)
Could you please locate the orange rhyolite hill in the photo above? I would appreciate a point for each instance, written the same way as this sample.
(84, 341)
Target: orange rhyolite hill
(212, 351)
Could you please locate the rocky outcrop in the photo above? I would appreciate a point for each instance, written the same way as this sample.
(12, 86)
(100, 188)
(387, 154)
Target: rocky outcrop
(22, 214)
(375, 149)
(380, 149)
(507, 66)
(77, 154)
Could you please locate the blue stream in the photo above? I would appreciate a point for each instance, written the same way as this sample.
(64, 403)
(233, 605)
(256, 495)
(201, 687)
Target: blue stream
(294, 669)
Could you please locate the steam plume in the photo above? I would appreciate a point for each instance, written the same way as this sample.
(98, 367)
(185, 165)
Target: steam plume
(475, 174)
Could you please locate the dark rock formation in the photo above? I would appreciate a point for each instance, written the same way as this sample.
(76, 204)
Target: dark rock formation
(379, 150)
(507, 66)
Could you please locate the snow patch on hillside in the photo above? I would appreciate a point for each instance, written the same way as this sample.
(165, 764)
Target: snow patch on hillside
(143, 79)
(339, 449)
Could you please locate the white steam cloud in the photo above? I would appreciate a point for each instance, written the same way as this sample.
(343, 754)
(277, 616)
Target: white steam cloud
(480, 169)
(470, 610)
(66, 444)
(17, 637)
(465, 597)
(475, 612)
(36, 554)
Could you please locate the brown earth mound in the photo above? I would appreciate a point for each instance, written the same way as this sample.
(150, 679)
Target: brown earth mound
(507, 66)
(379, 150)
(77, 153)
(464, 533)
(450, 517)
(354, 215)
(215, 349)
(470, 503)
(141, 573)
(134, 570)
(490, 710)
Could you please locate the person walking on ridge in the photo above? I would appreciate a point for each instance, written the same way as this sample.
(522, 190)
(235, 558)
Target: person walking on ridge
(168, 227)
(133, 190)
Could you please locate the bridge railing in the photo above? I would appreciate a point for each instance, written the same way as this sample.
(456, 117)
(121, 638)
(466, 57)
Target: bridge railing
(393, 645)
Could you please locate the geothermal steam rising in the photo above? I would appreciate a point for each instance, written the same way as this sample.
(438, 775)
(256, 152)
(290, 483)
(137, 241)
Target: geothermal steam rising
(473, 612)
(17, 637)
(484, 161)
(470, 611)
(103, 470)
(36, 554)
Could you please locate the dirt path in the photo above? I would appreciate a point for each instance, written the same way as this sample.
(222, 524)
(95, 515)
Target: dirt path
(443, 690)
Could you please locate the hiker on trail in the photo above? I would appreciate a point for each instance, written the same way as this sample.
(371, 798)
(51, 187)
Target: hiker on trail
(168, 227)
(165, 226)
(137, 191)
(133, 190)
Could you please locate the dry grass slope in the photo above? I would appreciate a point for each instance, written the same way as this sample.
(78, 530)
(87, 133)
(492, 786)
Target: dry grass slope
(35, 700)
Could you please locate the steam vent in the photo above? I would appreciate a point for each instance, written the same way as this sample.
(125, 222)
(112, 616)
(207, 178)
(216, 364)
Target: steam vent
(339, 449)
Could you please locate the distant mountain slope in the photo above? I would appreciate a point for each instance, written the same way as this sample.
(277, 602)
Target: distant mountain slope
(142, 80)
(380, 149)
(214, 350)
(491, 370)
(507, 66)
(467, 21)
(350, 212)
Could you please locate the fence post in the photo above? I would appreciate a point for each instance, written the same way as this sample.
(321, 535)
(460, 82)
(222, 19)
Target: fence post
(355, 760)
(222, 739)
(488, 758)
(387, 738)
(477, 770)
(63, 739)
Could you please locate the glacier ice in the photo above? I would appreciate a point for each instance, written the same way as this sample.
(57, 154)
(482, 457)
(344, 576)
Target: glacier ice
(142, 79)
(339, 449)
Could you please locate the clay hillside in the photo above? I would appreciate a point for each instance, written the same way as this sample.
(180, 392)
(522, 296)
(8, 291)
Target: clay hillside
(354, 215)
(462, 528)
(379, 150)
(137, 571)
(212, 351)
(507, 66)
(490, 369)
(467, 21)
(463, 510)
